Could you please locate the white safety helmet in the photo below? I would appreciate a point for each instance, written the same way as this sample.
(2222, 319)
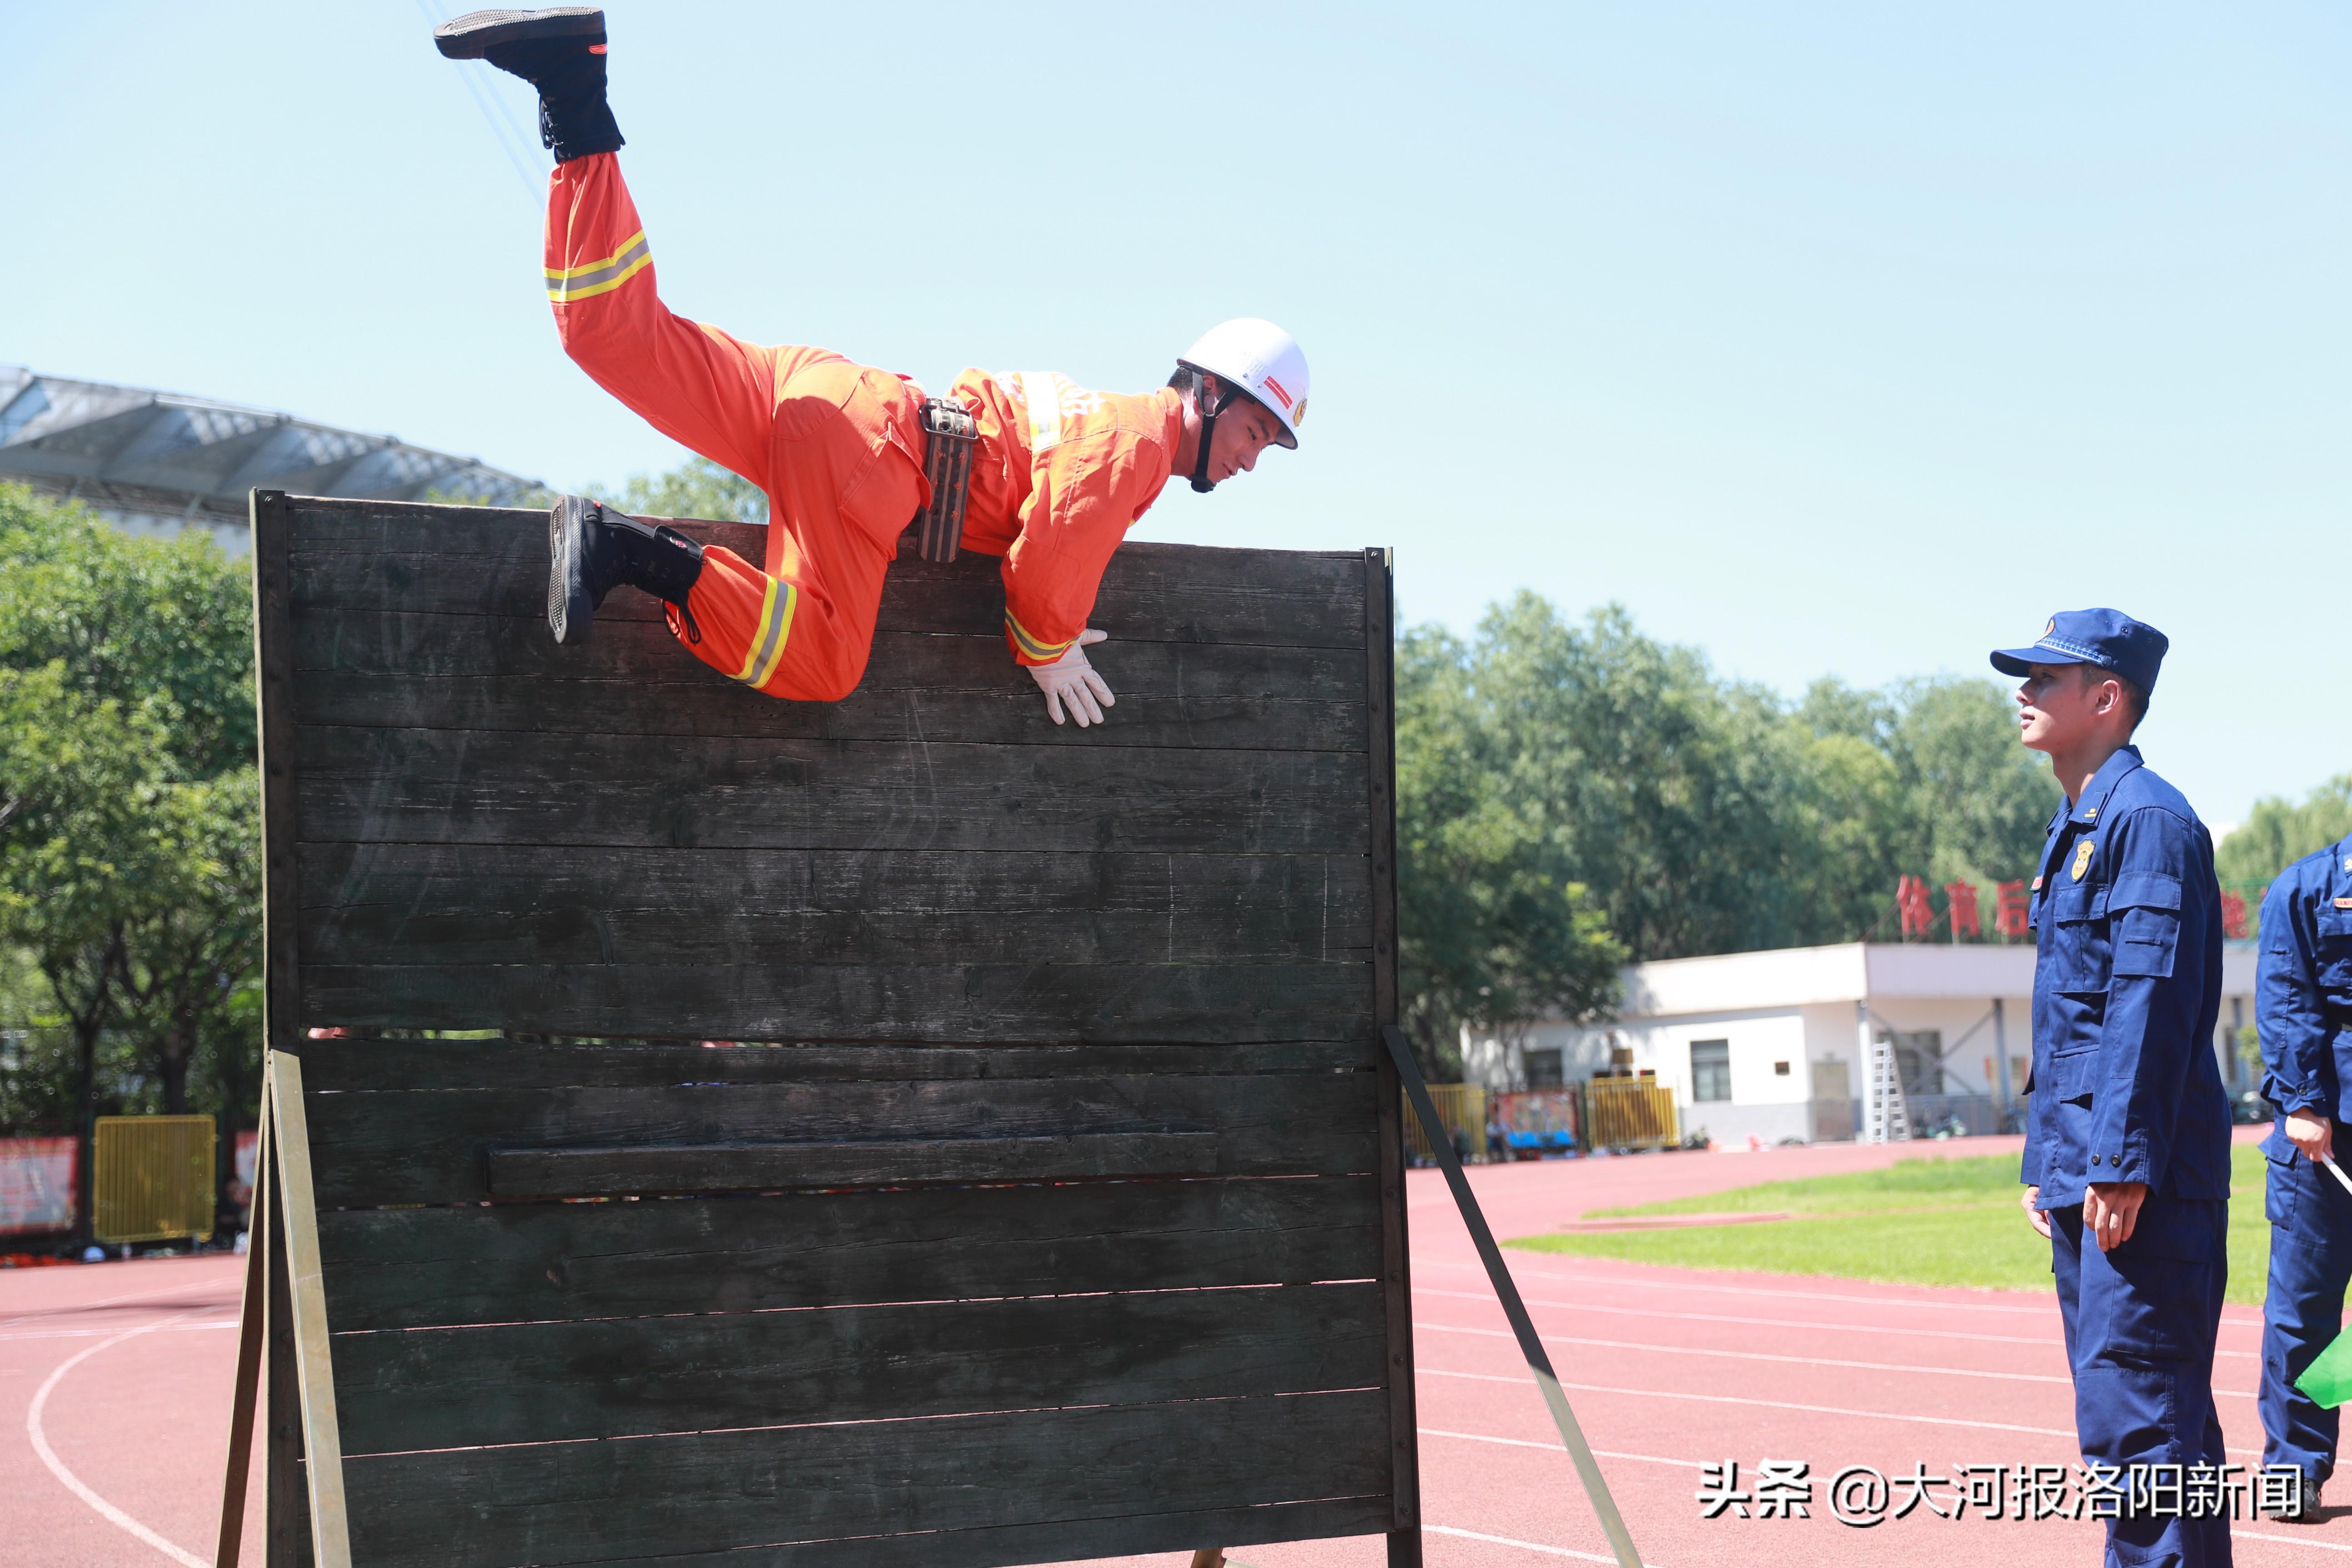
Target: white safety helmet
(1253, 357)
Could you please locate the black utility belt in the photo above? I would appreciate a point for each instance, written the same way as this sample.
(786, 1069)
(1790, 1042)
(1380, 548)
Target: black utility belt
(948, 433)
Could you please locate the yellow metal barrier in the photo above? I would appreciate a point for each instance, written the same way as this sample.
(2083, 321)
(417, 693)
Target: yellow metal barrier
(154, 1178)
(1629, 1113)
(1462, 1108)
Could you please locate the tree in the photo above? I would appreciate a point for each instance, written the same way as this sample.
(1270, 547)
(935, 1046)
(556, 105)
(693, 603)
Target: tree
(2278, 834)
(79, 788)
(1494, 930)
(1571, 795)
(129, 830)
(696, 488)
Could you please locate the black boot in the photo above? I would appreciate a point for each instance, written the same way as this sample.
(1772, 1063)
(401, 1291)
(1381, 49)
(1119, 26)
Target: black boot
(559, 51)
(592, 549)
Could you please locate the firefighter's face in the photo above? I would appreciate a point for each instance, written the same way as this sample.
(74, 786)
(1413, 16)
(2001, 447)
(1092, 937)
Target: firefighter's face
(1245, 430)
(2060, 706)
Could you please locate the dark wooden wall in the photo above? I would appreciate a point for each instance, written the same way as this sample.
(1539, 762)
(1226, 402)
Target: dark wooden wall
(1058, 1213)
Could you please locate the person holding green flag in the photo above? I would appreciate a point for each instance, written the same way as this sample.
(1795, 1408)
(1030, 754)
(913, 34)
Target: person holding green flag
(2303, 1009)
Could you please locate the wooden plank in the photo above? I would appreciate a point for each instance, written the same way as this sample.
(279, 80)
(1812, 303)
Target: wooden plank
(285, 1500)
(280, 824)
(641, 1170)
(444, 647)
(420, 557)
(430, 1268)
(625, 1377)
(253, 1315)
(365, 1063)
(493, 787)
(388, 669)
(691, 699)
(313, 1358)
(1380, 720)
(1062, 1541)
(1141, 1001)
(426, 903)
(432, 1147)
(553, 1502)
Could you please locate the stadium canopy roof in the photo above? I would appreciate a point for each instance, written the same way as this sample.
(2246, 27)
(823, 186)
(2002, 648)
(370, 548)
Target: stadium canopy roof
(158, 456)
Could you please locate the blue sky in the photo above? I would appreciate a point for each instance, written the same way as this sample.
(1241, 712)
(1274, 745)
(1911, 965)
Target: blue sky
(1843, 339)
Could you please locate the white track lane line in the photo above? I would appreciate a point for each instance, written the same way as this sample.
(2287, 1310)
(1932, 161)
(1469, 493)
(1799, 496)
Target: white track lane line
(1751, 1355)
(94, 1333)
(1775, 1322)
(2048, 1306)
(1790, 1360)
(102, 1301)
(2290, 1540)
(1554, 1448)
(1771, 1405)
(1531, 1545)
(73, 1483)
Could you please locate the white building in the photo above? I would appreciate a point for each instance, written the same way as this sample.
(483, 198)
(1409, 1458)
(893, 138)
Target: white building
(1773, 1044)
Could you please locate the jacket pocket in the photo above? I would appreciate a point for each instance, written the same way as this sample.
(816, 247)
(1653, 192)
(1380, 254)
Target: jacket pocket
(2331, 959)
(2278, 1188)
(2080, 957)
(2156, 1290)
(2143, 910)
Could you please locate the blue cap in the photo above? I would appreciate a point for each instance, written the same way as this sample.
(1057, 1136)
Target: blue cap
(2108, 638)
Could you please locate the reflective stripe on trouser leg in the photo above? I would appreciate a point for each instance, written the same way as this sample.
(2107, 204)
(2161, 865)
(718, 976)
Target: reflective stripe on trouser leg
(746, 618)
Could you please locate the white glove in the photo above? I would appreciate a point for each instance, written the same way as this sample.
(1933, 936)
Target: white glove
(1071, 680)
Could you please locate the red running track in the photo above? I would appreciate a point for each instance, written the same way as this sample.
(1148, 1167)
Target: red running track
(114, 1386)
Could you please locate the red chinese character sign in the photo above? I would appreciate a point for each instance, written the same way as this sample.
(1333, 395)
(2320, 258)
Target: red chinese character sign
(2233, 916)
(2011, 915)
(1963, 910)
(1911, 902)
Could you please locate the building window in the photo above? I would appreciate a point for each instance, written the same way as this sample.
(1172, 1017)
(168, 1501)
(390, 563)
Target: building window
(1710, 1069)
(1780, 1070)
(1543, 1068)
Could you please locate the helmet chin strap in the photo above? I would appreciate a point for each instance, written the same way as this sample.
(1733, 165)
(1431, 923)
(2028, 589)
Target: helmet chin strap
(1200, 481)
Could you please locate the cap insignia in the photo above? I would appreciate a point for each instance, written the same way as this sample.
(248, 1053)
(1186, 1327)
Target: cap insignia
(2052, 629)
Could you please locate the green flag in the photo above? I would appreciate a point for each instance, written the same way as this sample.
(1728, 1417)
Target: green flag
(2328, 1380)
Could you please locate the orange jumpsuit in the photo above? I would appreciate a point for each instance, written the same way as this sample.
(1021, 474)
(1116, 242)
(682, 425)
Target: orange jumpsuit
(1058, 476)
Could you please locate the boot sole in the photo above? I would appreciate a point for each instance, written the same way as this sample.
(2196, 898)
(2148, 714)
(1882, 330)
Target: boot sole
(473, 35)
(570, 613)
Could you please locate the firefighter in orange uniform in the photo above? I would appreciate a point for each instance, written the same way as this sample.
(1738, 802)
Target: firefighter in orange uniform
(1057, 474)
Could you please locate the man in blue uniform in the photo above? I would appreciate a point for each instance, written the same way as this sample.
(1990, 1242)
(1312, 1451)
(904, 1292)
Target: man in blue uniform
(2128, 1155)
(2303, 1009)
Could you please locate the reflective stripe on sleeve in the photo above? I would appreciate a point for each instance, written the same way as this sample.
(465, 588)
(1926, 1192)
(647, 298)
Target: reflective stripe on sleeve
(1042, 652)
(767, 648)
(591, 278)
(1042, 390)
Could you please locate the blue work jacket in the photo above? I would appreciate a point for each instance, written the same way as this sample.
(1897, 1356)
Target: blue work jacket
(2303, 990)
(2126, 989)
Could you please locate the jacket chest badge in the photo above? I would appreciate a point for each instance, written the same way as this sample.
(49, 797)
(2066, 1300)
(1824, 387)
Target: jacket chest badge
(2082, 859)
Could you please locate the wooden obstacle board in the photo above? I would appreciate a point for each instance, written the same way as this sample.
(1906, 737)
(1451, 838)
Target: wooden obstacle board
(1042, 1197)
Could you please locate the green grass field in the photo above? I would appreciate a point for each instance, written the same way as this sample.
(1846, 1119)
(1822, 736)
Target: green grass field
(1935, 1220)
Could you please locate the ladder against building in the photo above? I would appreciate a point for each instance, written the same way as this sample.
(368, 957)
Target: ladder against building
(1887, 1119)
